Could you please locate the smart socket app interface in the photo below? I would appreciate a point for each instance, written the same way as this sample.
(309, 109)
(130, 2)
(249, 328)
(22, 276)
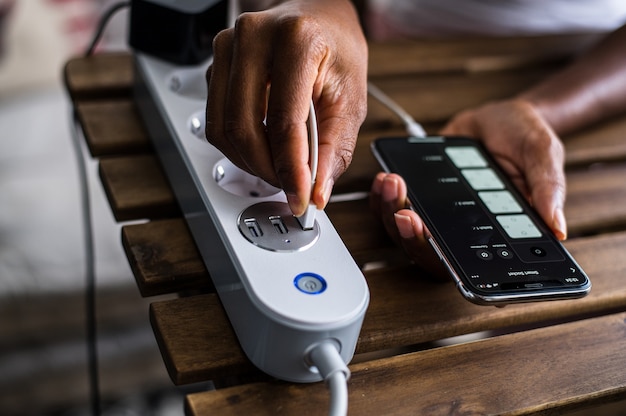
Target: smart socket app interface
(493, 242)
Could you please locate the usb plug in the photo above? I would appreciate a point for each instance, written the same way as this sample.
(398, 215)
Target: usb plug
(307, 220)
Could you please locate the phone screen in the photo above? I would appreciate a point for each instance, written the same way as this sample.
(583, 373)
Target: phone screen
(488, 235)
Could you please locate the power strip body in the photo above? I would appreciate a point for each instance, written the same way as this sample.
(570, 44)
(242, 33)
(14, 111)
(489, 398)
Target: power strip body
(276, 318)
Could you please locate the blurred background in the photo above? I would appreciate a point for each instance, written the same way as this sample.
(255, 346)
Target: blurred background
(43, 352)
(43, 359)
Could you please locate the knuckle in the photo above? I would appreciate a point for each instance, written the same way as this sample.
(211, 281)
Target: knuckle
(222, 40)
(296, 31)
(545, 142)
(297, 25)
(247, 24)
(343, 155)
(211, 132)
(235, 131)
(285, 168)
(280, 124)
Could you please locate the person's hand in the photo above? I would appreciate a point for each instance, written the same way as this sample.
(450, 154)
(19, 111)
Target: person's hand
(522, 143)
(269, 67)
(528, 150)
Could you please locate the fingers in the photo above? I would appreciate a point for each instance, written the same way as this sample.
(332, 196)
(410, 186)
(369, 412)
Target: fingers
(246, 102)
(541, 158)
(414, 240)
(237, 100)
(404, 226)
(268, 68)
(388, 196)
(217, 80)
(548, 197)
(338, 137)
(288, 110)
(527, 149)
(340, 99)
(545, 177)
(238, 106)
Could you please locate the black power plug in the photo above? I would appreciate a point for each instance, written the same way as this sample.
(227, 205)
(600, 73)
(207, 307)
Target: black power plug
(177, 31)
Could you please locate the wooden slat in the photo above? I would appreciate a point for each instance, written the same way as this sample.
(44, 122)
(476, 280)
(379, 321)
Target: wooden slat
(399, 314)
(137, 188)
(100, 76)
(164, 258)
(112, 127)
(364, 235)
(213, 354)
(596, 199)
(543, 371)
(475, 54)
(436, 97)
(604, 142)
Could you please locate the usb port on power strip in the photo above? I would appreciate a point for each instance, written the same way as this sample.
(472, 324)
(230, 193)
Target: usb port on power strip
(279, 224)
(284, 233)
(253, 227)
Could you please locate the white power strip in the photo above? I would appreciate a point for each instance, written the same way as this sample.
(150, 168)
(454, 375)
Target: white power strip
(285, 289)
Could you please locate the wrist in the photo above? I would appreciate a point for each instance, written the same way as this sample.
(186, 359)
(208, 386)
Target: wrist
(562, 117)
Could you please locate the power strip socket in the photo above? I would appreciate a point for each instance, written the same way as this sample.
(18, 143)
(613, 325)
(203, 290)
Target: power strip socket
(284, 289)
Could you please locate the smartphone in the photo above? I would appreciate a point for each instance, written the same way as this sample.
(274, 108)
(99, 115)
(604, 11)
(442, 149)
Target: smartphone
(492, 242)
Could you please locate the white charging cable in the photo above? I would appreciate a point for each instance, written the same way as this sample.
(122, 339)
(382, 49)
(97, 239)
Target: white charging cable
(313, 142)
(307, 220)
(413, 128)
(326, 358)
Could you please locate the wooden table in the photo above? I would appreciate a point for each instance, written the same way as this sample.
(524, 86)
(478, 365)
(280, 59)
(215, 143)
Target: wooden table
(541, 358)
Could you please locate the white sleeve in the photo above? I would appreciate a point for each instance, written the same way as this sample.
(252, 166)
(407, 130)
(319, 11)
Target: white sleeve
(410, 18)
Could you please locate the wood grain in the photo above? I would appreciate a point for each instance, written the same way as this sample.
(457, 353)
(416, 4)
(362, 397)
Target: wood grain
(137, 188)
(112, 127)
(99, 76)
(164, 258)
(596, 199)
(542, 371)
(473, 54)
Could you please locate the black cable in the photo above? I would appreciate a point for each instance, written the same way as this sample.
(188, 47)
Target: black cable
(104, 20)
(90, 272)
(88, 236)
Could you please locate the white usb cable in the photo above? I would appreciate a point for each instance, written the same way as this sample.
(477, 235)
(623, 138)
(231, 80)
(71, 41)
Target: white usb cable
(413, 128)
(307, 220)
(326, 358)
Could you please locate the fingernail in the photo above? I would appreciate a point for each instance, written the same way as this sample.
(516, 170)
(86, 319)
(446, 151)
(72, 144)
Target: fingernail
(389, 189)
(327, 189)
(405, 225)
(377, 184)
(559, 225)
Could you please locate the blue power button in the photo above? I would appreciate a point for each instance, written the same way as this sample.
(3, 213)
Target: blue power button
(310, 283)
